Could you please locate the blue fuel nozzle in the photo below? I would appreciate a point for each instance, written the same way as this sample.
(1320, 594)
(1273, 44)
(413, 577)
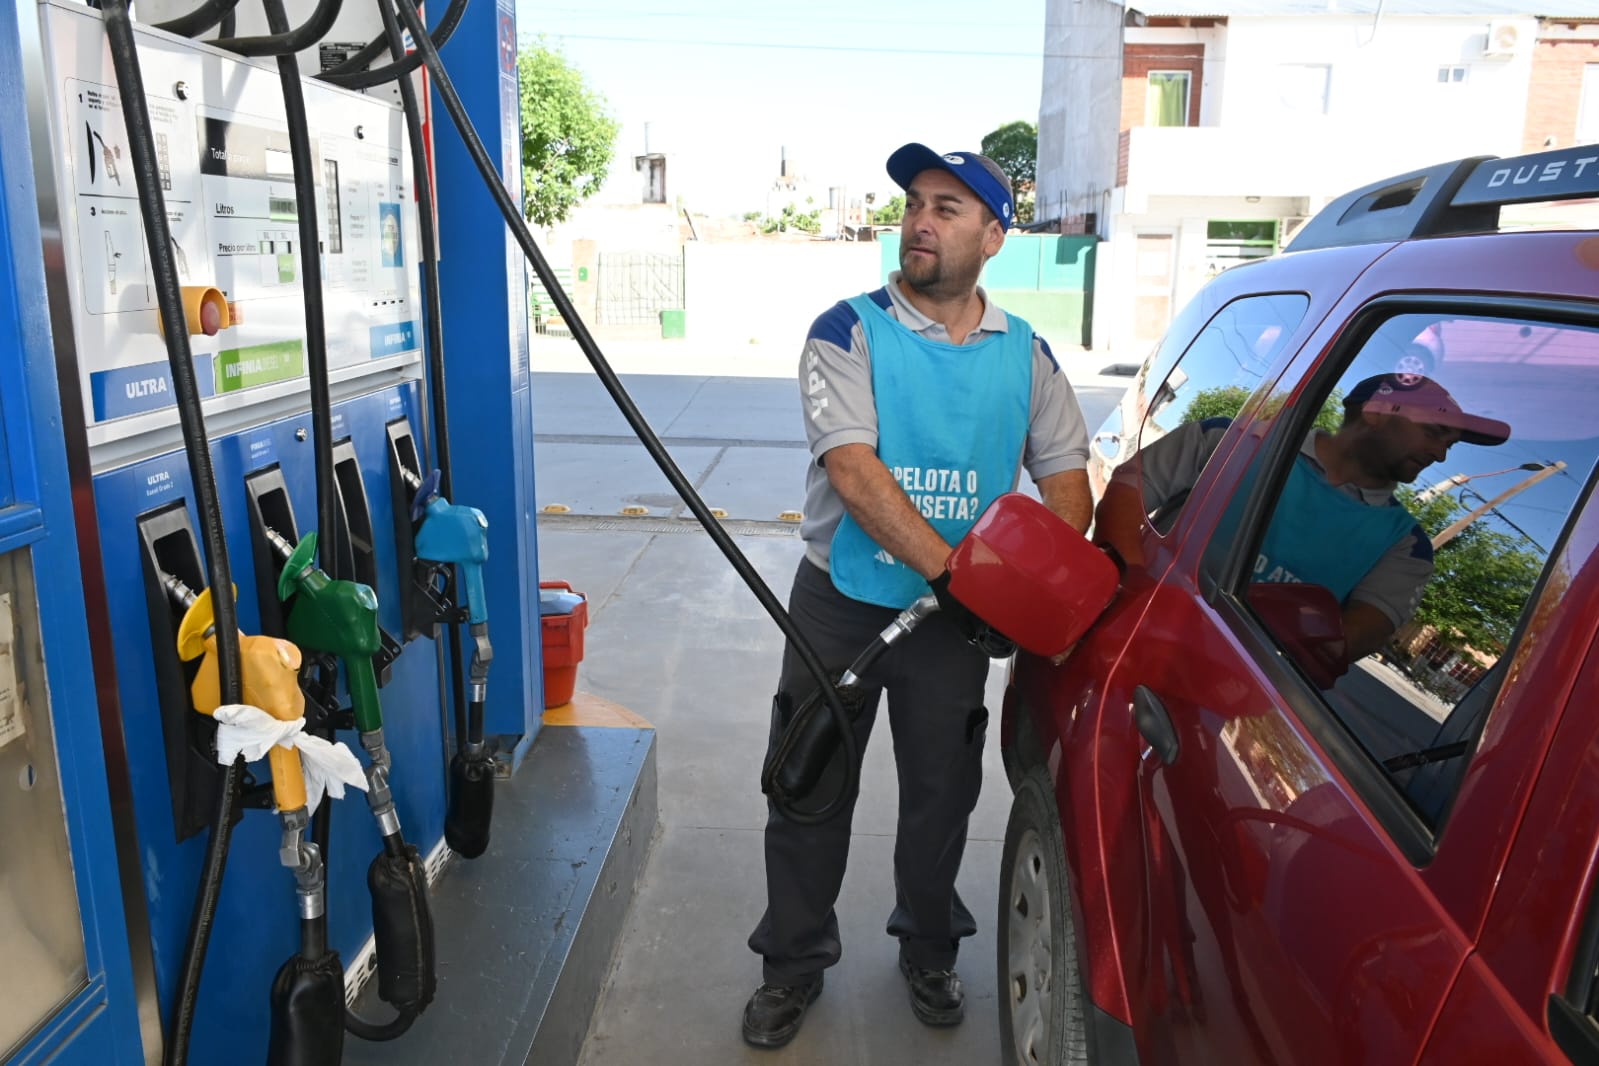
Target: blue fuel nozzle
(452, 534)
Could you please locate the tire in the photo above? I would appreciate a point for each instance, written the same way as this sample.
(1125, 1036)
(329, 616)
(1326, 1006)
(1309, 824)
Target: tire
(1043, 1018)
(1413, 364)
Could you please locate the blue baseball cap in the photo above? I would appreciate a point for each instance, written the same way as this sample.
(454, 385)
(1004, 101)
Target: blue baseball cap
(976, 171)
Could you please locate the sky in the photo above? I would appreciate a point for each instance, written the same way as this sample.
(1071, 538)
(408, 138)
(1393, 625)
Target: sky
(726, 88)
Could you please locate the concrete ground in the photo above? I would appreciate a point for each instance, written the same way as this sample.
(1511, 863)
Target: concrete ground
(676, 637)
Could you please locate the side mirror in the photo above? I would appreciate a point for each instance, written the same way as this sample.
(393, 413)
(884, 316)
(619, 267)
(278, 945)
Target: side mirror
(1031, 576)
(1308, 621)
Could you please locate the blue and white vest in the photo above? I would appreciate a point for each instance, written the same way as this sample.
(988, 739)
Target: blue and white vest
(1327, 537)
(951, 426)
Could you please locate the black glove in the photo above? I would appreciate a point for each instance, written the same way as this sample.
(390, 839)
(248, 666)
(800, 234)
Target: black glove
(993, 643)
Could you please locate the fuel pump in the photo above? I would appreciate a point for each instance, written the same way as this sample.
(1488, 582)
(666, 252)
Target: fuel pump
(207, 152)
(455, 535)
(339, 618)
(308, 991)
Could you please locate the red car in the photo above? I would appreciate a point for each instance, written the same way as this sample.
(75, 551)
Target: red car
(1322, 784)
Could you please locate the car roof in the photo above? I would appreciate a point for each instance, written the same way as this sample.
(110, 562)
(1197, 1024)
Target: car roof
(1462, 196)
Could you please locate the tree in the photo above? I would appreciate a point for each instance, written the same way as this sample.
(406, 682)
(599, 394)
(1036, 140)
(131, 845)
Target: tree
(792, 218)
(568, 138)
(1014, 146)
(1481, 578)
(891, 213)
(1225, 401)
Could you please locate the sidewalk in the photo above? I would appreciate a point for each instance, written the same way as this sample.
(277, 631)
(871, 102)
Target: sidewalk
(676, 637)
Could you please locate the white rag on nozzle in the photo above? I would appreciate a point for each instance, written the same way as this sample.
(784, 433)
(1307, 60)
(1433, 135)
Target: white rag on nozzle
(251, 732)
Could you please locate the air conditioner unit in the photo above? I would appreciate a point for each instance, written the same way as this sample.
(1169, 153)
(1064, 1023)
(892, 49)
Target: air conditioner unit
(1505, 39)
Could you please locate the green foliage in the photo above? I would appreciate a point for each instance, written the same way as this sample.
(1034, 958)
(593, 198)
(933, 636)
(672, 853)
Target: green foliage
(1014, 146)
(792, 218)
(1026, 204)
(1222, 402)
(1225, 401)
(891, 213)
(1481, 579)
(568, 138)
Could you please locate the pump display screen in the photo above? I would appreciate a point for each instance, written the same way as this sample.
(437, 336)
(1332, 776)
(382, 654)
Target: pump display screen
(229, 185)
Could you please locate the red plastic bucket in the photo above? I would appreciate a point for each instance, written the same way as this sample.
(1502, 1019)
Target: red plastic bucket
(563, 646)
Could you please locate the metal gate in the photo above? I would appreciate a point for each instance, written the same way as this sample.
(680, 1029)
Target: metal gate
(635, 287)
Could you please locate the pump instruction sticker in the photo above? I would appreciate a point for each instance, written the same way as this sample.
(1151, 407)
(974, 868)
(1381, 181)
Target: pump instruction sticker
(115, 259)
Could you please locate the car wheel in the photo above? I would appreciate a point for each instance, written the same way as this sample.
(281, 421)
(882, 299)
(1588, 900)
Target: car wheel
(1413, 364)
(1042, 1009)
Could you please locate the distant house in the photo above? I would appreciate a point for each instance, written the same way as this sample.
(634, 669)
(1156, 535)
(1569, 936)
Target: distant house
(1190, 135)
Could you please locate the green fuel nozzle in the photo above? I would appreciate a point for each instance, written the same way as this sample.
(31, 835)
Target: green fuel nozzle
(338, 618)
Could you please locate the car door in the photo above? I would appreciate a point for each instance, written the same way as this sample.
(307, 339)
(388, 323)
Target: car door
(1528, 993)
(1310, 890)
(1266, 891)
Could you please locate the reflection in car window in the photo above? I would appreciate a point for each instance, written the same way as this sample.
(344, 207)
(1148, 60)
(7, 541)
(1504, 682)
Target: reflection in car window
(1189, 400)
(1415, 522)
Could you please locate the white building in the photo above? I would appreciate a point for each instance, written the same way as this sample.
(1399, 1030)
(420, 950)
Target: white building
(1190, 134)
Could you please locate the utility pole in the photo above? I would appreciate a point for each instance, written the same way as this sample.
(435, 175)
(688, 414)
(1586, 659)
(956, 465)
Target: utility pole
(1453, 530)
(1454, 481)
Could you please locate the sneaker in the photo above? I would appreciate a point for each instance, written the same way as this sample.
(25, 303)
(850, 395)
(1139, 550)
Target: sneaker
(937, 997)
(774, 1012)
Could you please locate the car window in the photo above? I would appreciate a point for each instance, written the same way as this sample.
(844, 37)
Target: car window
(1414, 515)
(1183, 397)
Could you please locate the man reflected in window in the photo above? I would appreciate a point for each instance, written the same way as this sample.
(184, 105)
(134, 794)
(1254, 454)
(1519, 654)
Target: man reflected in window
(1337, 524)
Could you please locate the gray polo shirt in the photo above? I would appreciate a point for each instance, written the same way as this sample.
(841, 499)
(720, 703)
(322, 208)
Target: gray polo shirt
(1394, 585)
(835, 379)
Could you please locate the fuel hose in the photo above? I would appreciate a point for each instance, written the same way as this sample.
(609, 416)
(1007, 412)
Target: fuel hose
(289, 41)
(641, 428)
(403, 929)
(433, 326)
(209, 14)
(470, 826)
(352, 73)
(191, 420)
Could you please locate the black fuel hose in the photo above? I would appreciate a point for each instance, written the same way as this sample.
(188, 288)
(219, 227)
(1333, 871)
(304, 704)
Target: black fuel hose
(210, 13)
(191, 419)
(321, 407)
(351, 74)
(316, 352)
(434, 321)
(316, 347)
(287, 42)
(641, 428)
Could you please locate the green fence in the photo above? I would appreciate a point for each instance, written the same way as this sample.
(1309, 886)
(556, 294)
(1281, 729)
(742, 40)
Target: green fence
(1045, 278)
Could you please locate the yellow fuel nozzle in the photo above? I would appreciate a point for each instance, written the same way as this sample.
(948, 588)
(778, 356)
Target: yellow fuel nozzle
(270, 680)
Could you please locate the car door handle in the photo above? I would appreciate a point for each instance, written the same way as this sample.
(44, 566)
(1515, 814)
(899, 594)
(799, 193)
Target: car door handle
(1155, 724)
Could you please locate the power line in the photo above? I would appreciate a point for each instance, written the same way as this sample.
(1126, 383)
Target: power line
(812, 17)
(787, 46)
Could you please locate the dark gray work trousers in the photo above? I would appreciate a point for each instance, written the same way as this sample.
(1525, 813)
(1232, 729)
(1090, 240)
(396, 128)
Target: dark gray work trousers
(934, 679)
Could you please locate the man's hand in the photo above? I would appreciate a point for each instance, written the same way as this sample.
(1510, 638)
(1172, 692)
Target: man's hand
(1366, 629)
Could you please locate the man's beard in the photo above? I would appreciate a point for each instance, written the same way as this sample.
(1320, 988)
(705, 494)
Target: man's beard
(921, 272)
(934, 275)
